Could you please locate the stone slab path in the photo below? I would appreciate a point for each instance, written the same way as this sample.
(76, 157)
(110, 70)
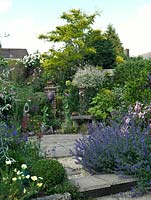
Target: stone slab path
(58, 146)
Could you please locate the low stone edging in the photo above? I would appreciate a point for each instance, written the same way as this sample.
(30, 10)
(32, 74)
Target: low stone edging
(65, 196)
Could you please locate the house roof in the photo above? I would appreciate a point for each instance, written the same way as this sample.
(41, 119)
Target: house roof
(13, 53)
(146, 55)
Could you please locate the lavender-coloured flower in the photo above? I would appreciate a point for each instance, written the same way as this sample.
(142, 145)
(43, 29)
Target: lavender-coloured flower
(14, 132)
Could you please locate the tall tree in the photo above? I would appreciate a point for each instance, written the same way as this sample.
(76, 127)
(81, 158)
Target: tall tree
(104, 55)
(113, 36)
(62, 63)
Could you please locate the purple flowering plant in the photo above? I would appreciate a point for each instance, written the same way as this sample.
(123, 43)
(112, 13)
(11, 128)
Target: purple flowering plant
(120, 146)
(15, 146)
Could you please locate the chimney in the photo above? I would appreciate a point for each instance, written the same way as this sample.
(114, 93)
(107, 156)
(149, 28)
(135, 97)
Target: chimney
(127, 52)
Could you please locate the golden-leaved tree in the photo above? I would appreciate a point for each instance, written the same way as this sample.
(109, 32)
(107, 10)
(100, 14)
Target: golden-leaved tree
(62, 63)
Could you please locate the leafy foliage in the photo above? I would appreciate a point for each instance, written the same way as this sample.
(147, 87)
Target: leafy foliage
(7, 95)
(3, 64)
(67, 186)
(114, 38)
(17, 72)
(88, 77)
(103, 104)
(124, 145)
(16, 146)
(62, 63)
(134, 76)
(52, 171)
(104, 54)
(17, 184)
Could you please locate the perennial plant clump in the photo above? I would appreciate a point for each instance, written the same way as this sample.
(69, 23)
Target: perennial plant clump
(7, 95)
(123, 145)
(17, 184)
(33, 68)
(32, 60)
(52, 172)
(89, 77)
(103, 104)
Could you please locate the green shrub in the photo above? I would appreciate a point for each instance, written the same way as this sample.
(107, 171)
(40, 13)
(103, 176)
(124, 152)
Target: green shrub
(66, 186)
(39, 98)
(102, 104)
(17, 72)
(25, 152)
(134, 76)
(89, 80)
(15, 145)
(132, 69)
(89, 77)
(52, 172)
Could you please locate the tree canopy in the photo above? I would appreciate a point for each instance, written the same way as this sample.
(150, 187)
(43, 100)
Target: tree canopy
(79, 45)
(71, 36)
(113, 36)
(105, 54)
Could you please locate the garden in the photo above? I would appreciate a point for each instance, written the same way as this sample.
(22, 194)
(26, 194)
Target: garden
(88, 76)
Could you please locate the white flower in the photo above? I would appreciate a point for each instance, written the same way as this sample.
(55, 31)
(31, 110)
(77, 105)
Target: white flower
(14, 179)
(34, 178)
(15, 170)
(24, 191)
(19, 172)
(24, 166)
(8, 162)
(39, 184)
(4, 179)
(40, 178)
(27, 176)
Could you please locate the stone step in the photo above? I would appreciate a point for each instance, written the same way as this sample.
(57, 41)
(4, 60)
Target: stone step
(73, 170)
(104, 184)
(125, 196)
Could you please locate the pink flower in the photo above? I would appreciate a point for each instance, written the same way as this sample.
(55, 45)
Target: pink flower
(127, 120)
(137, 107)
(1, 95)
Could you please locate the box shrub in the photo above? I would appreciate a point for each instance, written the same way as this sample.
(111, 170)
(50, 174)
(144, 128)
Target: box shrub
(51, 170)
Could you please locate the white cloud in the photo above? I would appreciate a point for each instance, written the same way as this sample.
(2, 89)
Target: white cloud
(136, 32)
(5, 5)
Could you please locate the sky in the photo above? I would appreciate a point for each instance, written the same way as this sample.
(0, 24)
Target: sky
(24, 20)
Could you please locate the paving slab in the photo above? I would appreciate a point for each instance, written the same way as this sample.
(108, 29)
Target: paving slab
(58, 145)
(60, 137)
(101, 185)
